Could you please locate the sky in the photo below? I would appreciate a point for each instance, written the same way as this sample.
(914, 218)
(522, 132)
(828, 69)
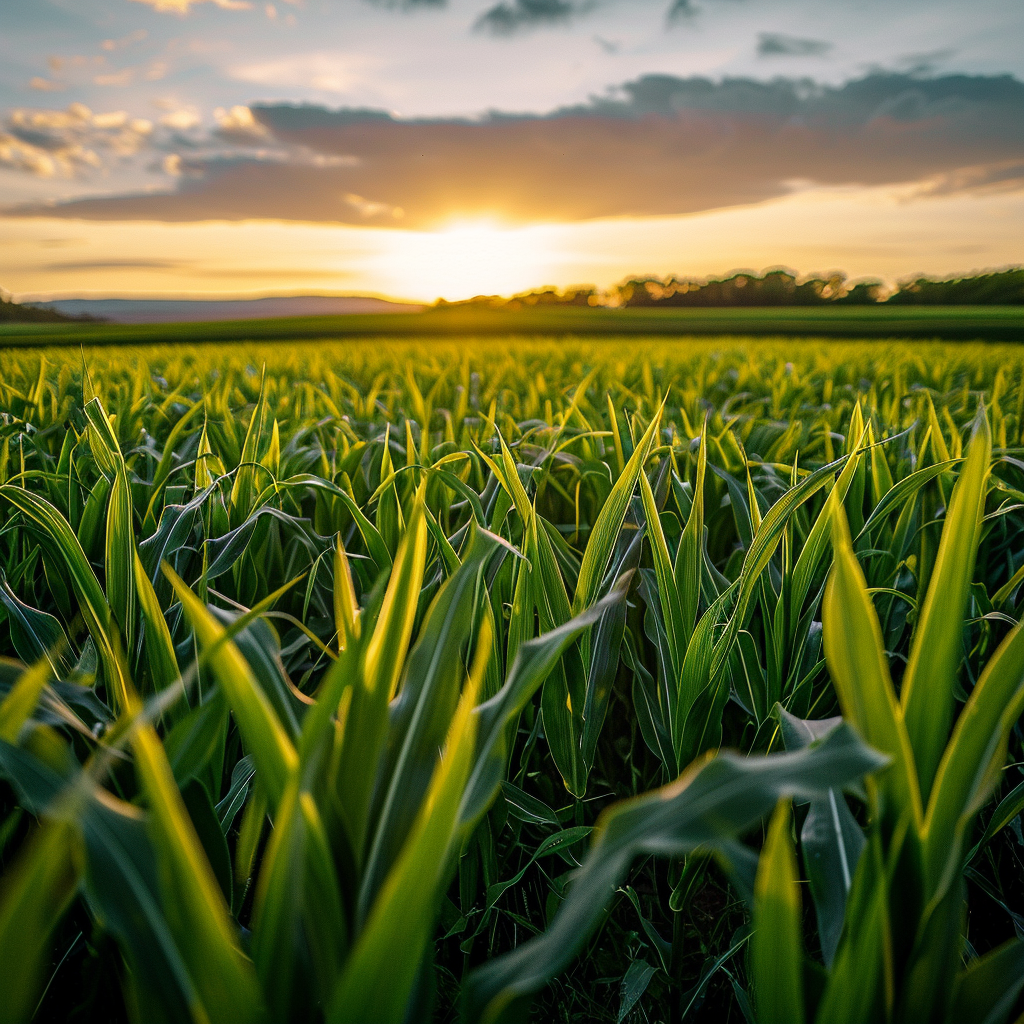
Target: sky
(445, 148)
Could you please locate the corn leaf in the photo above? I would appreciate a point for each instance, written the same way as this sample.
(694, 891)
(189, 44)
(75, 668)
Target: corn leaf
(936, 651)
(776, 948)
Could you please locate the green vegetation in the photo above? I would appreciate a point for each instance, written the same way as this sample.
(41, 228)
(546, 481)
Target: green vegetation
(988, 323)
(20, 313)
(561, 680)
(773, 288)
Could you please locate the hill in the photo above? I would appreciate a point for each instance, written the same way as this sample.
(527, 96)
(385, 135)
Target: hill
(166, 311)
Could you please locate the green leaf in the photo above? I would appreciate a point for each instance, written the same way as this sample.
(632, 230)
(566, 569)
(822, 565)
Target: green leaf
(534, 660)
(776, 948)
(856, 661)
(384, 656)
(690, 556)
(421, 715)
(119, 563)
(297, 899)
(377, 982)
(762, 547)
(974, 756)
(194, 905)
(831, 840)
(928, 682)
(814, 547)
(902, 493)
(551, 844)
(265, 738)
(986, 992)
(247, 477)
(33, 897)
(668, 593)
(91, 600)
(1008, 808)
(609, 521)
(36, 634)
(860, 984)
(193, 741)
(157, 651)
(204, 820)
(715, 799)
(19, 704)
(634, 985)
(563, 700)
(122, 887)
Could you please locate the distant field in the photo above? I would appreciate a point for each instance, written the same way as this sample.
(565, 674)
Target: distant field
(953, 323)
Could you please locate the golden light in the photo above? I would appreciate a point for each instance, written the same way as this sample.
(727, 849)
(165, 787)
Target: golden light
(467, 258)
(865, 231)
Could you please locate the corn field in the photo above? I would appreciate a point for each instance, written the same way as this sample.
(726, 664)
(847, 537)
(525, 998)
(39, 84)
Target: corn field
(569, 681)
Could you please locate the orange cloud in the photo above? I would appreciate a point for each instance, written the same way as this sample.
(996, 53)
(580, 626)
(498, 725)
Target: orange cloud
(183, 7)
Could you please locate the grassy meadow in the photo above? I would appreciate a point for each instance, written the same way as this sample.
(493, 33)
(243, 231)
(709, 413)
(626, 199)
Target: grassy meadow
(623, 678)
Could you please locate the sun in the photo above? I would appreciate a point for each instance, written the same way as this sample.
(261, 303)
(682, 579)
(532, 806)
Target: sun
(464, 258)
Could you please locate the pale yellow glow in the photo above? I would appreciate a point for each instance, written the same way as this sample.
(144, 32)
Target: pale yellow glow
(470, 258)
(863, 231)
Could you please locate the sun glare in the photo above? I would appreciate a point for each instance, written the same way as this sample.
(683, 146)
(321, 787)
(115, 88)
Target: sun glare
(469, 257)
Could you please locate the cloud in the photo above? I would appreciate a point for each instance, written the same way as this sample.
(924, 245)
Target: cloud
(1005, 176)
(239, 126)
(924, 63)
(405, 5)
(77, 266)
(183, 7)
(367, 208)
(511, 16)
(658, 145)
(181, 120)
(325, 71)
(129, 40)
(116, 78)
(45, 85)
(680, 10)
(775, 44)
(71, 142)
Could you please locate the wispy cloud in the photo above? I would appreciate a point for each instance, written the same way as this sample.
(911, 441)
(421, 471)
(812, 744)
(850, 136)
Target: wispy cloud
(138, 36)
(45, 85)
(79, 266)
(512, 16)
(322, 70)
(776, 44)
(183, 7)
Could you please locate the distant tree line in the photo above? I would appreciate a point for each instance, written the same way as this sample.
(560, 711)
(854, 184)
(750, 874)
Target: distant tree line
(772, 288)
(578, 295)
(23, 313)
(1002, 289)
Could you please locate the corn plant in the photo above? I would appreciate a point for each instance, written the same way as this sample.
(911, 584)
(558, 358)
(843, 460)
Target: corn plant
(249, 594)
(891, 906)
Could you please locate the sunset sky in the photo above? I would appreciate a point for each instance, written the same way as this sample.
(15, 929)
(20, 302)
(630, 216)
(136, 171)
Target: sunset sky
(431, 148)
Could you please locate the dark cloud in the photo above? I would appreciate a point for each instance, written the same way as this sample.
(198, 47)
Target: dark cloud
(78, 266)
(410, 5)
(511, 16)
(999, 177)
(680, 10)
(924, 63)
(658, 145)
(775, 44)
